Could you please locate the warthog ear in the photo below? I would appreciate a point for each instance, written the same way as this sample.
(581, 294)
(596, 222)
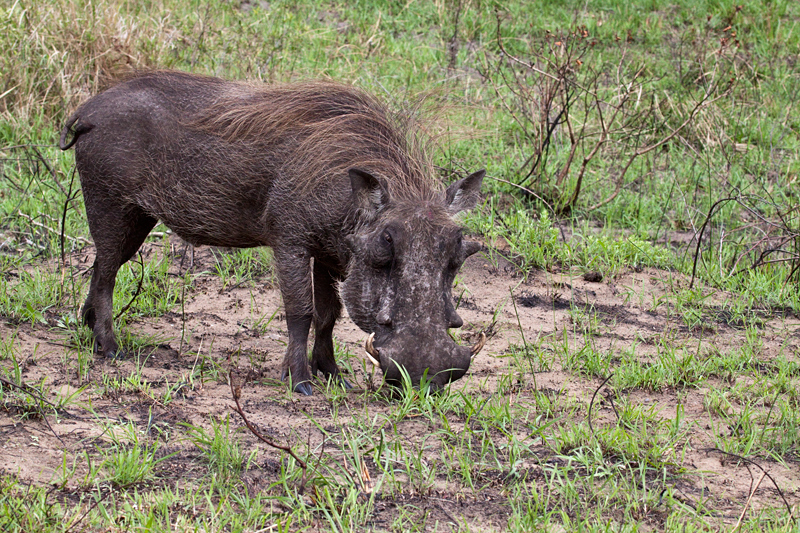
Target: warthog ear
(464, 194)
(368, 192)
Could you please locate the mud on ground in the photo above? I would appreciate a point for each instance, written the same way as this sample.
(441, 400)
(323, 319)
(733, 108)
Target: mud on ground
(223, 326)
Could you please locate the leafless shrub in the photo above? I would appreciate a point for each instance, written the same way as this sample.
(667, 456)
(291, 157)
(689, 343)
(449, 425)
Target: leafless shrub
(25, 169)
(579, 119)
(761, 240)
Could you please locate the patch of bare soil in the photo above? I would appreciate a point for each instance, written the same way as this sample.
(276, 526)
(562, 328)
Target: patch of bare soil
(218, 330)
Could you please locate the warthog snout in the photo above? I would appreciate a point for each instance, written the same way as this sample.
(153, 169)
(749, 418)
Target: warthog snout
(453, 359)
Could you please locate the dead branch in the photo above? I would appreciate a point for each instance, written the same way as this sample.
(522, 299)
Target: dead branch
(753, 490)
(748, 461)
(48, 167)
(700, 235)
(138, 289)
(548, 90)
(700, 105)
(770, 243)
(51, 230)
(27, 389)
(591, 403)
(513, 58)
(236, 392)
(604, 134)
(64, 212)
(526, 190)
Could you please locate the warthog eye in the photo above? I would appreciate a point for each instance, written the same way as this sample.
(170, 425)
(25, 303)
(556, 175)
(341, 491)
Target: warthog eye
(381, 252)
(457, 260)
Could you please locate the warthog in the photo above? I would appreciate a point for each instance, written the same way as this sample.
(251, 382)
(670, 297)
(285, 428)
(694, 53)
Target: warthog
(340, 188)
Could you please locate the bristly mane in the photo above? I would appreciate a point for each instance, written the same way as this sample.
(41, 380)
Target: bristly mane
(323, 129)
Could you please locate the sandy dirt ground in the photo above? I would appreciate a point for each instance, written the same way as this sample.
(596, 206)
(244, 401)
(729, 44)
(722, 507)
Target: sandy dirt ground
(217, 330)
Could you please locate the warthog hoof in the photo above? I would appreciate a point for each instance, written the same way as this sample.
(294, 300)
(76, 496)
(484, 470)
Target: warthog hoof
(115, 354)
(304, 388)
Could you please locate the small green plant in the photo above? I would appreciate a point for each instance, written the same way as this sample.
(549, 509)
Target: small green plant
(238, 266)
(221, 450)
(129, 461)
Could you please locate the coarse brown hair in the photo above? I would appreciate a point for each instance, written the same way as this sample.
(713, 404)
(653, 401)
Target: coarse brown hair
(333, 127)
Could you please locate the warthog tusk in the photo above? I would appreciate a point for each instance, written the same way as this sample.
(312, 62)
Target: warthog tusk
(478, 345)
(372, 353)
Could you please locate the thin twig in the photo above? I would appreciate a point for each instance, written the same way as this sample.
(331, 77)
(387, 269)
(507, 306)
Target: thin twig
(701, 104)
(527, 190)
(591, 403)
(700, 235)
(15, 146)
(138, 289)
(48, 167)
(528, 65)
(27, 389)
(51, 230)
(775, 483)
(604, 134)
(524, 343)
(515, 59)
(451, 517)
(91, 507)
(747, 503)
(64, 213)
(236, 392)
(764, 253)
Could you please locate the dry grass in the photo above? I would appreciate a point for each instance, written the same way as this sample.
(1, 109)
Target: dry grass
(55, 54)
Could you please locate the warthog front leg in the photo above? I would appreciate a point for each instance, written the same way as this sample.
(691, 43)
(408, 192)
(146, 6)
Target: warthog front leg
(327, 308)
(294, 277)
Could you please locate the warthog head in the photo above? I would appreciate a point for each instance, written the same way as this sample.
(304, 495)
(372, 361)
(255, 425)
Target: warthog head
(400, 278)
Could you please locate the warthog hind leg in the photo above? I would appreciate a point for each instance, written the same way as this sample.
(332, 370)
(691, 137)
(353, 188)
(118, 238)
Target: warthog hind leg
(118, 233)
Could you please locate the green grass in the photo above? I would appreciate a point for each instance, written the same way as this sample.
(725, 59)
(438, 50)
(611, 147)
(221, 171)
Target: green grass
(239, 266)
(504, 444)
(390, 49)
(221, 450)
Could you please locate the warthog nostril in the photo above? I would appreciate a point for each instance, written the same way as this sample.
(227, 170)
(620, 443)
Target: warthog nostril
(456, 322)
(384, 318)
(372, 352)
